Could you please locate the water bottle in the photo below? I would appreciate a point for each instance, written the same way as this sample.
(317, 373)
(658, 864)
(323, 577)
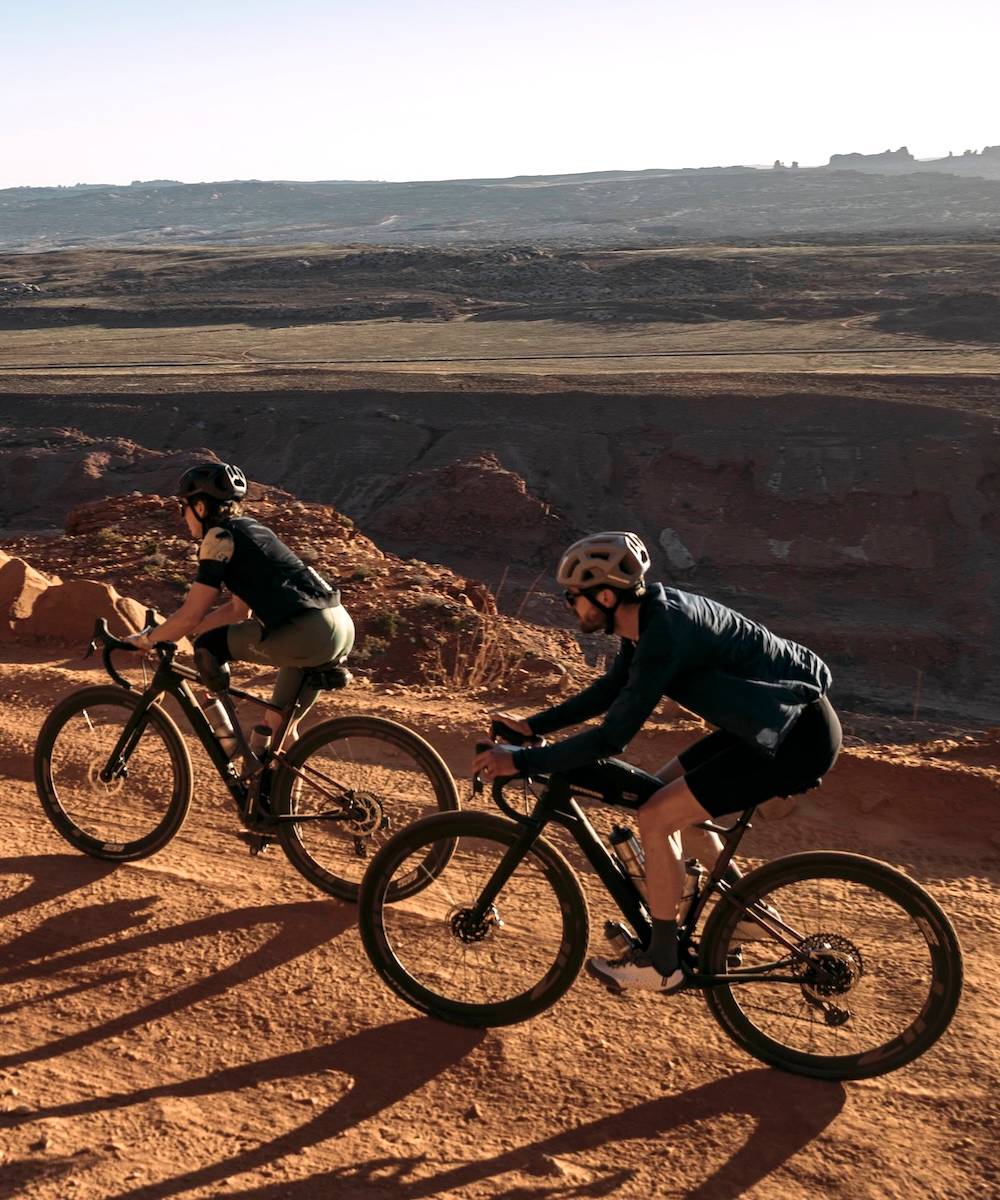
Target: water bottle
(629, 853)
(221, 726)
(260, 740)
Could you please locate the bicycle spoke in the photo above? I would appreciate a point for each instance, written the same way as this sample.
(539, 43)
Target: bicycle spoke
(516, 944)
(356, 781)
(126, 807)
(867, 977)
(140, 807)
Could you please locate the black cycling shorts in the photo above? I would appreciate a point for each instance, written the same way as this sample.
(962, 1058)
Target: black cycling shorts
(725, 775)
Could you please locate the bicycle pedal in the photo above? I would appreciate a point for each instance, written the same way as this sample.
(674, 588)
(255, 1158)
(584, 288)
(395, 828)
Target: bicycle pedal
(258, 843)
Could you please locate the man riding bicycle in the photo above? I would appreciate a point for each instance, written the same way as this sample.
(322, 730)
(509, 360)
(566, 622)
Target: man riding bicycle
(776, 734)
(280, 612)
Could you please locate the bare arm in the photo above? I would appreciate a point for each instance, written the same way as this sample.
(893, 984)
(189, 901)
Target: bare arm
(229, 613)
(197, 603)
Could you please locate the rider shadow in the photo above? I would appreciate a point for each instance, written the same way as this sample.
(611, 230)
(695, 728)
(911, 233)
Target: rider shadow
(301, 927)
(385, 1064)
(788, 1112)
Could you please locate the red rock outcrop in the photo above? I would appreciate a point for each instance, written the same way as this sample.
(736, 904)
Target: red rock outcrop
(470, 506)
(20, 588)
(66, 612)
(417, 622)
(34, 605)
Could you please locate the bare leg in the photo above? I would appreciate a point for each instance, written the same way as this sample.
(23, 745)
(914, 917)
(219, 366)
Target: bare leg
(666, 812)
(702, 845)
(691, 842)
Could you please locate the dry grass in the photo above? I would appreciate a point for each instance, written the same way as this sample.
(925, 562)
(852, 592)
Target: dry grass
(479, 659)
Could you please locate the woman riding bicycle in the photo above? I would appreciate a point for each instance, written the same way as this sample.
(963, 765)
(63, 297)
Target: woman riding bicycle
(280, 612)
(777, 732)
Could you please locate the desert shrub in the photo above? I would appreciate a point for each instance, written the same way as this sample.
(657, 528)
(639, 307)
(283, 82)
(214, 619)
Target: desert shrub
(369, 648)
(109, 537)
(386, 624)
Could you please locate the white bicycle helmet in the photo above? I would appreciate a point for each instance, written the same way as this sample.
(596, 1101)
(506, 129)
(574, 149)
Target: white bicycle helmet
(613, 559)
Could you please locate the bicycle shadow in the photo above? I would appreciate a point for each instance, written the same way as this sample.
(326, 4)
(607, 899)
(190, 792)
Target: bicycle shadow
(787, 1112)
(385, 1064)
(52, 875)
(298, 928)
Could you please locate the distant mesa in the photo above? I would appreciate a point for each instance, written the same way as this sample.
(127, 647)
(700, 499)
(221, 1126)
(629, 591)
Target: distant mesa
(894, 160)
(888, 158)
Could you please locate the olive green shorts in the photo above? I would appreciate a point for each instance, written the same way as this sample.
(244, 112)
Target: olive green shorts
(319, 636)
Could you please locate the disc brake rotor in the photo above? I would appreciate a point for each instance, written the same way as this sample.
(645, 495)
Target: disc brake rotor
(367, 815)
(110, 788)
(834, 967)
(468, 931)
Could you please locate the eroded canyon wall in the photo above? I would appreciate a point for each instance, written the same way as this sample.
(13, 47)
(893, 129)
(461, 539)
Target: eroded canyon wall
(864, 521)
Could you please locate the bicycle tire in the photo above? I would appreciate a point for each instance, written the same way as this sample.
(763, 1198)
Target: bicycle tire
(876, 885)
(562, 951)
(397, 774)
(79, 805)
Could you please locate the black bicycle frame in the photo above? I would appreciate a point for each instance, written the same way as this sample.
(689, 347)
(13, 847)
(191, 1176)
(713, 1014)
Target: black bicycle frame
(556, 804)
(173, 679)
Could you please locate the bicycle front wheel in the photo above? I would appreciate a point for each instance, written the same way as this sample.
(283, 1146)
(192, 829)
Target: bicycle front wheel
(875, 966)
(353, 781)
(510, 964)
(137, 811)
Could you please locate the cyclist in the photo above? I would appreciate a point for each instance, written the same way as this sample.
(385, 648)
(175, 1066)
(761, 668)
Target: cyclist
(777, 732)
(280, 612)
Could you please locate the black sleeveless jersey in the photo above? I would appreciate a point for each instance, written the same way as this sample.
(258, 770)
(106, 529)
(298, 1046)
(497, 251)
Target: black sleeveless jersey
(255, 565)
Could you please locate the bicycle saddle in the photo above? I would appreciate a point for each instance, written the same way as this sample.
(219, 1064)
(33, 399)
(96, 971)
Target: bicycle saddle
(328, 676)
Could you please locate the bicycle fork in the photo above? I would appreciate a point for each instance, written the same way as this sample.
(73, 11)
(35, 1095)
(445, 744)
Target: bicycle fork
(117, 765)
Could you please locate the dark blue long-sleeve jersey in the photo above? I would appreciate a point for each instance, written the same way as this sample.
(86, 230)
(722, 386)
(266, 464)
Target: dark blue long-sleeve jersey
(711, 659)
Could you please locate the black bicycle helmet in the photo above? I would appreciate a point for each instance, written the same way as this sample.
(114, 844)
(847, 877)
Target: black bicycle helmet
(218, 480)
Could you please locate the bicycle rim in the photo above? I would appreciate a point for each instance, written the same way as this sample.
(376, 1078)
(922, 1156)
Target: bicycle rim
(880, 981)
(511, 964)
(371, 777)
(136, 812)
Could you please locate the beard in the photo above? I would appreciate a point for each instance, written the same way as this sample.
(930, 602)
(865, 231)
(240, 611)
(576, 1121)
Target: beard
(592, 621)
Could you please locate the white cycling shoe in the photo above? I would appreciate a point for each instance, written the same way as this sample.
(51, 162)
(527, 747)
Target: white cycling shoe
(750, 931)
(633, 969)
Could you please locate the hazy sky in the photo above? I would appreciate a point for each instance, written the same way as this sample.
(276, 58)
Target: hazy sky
(115, 90)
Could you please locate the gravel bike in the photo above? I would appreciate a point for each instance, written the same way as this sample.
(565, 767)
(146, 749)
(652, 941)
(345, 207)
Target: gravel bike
(853, 969)
(113, 773)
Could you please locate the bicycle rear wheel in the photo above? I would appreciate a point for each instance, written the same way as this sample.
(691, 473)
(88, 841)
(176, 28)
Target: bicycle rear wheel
(137, 812)
(360, 779)
(514, 963)
(880, 981)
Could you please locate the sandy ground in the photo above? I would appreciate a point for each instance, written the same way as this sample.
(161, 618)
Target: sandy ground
(204, 1024)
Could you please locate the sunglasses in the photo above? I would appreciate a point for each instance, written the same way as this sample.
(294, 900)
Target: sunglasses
(572, 597)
